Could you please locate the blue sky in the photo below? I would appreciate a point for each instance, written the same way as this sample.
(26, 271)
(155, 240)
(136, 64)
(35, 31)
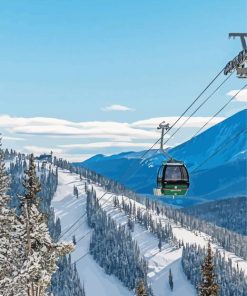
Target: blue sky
(70, 60)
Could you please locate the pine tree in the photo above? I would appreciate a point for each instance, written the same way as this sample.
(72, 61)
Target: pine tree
(170, 279)
(76, 192)
(208, 286)
(160, 244)
(41, 252)
(141, 289)
(11, 231)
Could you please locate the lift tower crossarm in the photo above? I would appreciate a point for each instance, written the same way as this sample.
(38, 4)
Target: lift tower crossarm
(242, 37)
(239, 62)
(163, 126)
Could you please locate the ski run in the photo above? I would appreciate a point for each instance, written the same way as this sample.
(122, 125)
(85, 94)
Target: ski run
(69, 209)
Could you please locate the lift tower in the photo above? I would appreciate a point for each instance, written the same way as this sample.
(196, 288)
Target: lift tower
(238, 63)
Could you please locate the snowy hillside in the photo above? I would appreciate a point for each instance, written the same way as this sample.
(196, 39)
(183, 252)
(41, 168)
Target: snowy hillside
(69, 209)
(225, 171)
(227, 213)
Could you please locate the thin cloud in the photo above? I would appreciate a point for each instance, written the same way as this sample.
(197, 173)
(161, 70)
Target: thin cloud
(7, 138)
(60, 153)
(63, 128)
(97, 145)
(117, 108)
(110, 130)
(152, 123)
(57, 134)
(74, 157)
(241, 97)
(39, 150)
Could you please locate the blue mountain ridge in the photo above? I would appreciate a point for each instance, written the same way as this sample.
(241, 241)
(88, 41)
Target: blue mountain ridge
(222, 176)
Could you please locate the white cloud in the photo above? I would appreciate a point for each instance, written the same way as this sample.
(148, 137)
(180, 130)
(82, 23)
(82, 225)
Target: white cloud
(152, 123)
(9, 121)
(97, 145)
(241, 97)
(57, 134)
(63, 128)
(117, 108)
(74, 157)
(7, 138)
(116, 131)
(39, 150)
(59, 153)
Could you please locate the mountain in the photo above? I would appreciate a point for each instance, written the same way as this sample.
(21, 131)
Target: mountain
(216, 160)
(227, 213)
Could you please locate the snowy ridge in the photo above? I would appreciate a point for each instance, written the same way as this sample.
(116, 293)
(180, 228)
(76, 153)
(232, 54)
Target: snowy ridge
(69, 209)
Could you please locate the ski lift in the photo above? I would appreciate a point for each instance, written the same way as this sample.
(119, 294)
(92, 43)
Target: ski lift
(172, 177)
(239, 62)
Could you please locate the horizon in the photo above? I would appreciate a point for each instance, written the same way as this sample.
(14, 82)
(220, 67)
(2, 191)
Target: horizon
(156, 147)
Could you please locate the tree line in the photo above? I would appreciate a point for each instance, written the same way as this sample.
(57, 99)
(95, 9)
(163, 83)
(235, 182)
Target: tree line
(113, 248)
(31, 258)
(230, 281)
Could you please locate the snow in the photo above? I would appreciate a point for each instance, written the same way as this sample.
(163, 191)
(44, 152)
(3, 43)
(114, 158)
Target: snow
(183, 234)
(7, 164)
(69, 209)
(159, 263)
(200, 239)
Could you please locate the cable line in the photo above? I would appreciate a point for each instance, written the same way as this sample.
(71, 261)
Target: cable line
(78, 219)
(195, 170)
(199, 107)
(80, 258)
(89, 231)
(133, 165)
(95, 212)
(196, 99)
(178, 119)
(220, 148)
(224, 106)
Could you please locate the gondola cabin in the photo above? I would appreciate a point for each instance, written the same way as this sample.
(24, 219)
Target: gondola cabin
(172, 179)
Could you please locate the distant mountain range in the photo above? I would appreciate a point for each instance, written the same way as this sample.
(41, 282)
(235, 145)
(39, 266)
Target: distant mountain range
(213, 175)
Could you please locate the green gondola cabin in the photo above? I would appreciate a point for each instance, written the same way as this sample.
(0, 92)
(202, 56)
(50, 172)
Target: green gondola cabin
(172, 179)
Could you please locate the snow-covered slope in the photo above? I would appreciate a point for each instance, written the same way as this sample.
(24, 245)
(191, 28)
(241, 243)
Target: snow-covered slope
(159, 263)
(69, 209)
(179, 232)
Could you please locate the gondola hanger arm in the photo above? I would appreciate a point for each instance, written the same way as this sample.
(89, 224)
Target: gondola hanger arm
(163, 126)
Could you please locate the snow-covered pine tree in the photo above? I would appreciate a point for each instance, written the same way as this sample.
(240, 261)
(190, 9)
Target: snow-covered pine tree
(41, 252)
(208, 285)
(74, 239)
(170, 279)
(11, 231)
(141, 289)
(160, 243)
